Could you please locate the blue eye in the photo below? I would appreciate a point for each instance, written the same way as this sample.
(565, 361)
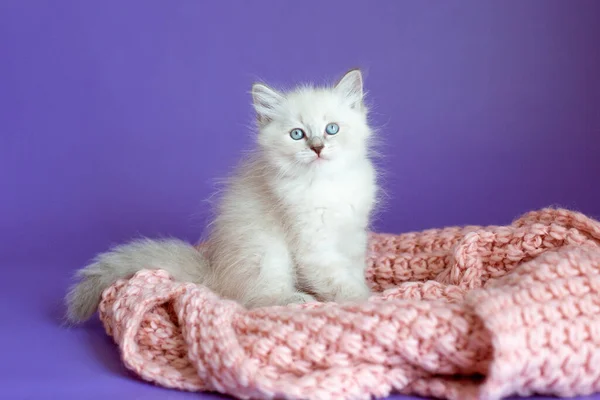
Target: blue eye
(332, 128)
(297, 134)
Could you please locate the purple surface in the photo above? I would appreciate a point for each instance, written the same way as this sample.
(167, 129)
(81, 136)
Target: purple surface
(116, 117)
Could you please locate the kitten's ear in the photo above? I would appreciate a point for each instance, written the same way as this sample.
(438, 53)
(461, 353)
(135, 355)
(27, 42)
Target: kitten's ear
(265, 101)
(351, 87)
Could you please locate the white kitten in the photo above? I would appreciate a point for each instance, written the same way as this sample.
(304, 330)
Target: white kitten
(292, 224)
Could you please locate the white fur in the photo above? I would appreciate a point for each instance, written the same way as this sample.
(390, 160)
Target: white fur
(291, 226)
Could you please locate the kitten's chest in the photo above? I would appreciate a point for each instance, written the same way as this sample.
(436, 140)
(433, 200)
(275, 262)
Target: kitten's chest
(334, 202)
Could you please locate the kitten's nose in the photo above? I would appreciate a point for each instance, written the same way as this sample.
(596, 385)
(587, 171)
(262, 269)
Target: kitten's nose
(317, 147)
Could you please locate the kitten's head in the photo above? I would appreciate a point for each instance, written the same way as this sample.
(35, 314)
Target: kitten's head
(312, 126)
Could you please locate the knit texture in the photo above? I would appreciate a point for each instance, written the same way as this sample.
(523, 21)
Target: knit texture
(459, 313)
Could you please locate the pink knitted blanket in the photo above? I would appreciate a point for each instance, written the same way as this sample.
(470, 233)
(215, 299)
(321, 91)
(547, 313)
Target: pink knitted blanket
(460, 313)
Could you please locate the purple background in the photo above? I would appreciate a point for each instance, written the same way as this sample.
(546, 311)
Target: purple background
(117, 117)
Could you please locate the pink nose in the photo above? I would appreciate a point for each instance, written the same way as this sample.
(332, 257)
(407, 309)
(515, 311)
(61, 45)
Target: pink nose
(317, 148)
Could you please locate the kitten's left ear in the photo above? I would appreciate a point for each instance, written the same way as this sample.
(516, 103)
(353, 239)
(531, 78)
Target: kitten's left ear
(351, 87)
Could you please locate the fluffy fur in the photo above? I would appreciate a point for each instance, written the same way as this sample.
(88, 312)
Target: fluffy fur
(292, 224)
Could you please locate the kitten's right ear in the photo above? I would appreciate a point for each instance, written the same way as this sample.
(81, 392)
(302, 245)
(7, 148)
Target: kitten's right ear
(351, 87)
(265, 101)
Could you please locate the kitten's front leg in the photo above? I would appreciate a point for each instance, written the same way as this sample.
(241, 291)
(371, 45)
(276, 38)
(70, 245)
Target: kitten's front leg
(332, 276)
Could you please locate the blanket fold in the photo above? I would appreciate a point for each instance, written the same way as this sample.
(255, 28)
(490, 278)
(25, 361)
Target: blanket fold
(458, 313)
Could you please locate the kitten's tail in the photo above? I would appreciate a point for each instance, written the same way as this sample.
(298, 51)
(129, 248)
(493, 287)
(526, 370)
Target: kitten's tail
(182, 260)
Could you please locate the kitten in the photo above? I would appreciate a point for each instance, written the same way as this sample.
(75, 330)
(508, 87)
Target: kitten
(292, 224)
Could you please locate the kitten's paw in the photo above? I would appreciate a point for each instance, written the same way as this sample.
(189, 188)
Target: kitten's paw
(298, 298)
(352, 291)
(282, 299)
